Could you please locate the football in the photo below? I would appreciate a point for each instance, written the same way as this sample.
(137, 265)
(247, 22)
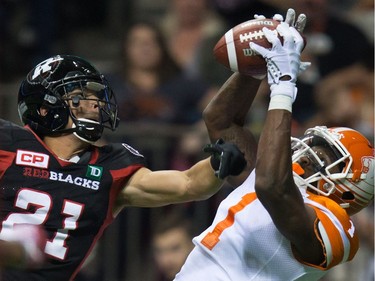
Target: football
(233, 51)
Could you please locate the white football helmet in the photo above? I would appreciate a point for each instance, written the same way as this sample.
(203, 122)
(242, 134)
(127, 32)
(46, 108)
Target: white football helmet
(353, 186)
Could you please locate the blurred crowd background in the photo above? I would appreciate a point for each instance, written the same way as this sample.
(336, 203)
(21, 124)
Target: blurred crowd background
(157, 55)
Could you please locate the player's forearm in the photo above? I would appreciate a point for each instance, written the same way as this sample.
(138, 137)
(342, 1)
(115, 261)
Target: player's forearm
(203, 183)
(273, 164)
(230, 105)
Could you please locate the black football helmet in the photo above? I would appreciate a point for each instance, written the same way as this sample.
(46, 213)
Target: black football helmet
(47, 85)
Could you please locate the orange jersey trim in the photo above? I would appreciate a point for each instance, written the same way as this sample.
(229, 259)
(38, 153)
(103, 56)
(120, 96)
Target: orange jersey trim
(212, 238)
(340, 233)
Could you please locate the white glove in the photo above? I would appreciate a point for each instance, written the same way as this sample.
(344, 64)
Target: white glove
(290, 19)
(33, 240)
(290, 30)
(282, 59)
(277, 17)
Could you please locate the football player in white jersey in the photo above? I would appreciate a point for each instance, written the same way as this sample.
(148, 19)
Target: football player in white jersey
(289, 217)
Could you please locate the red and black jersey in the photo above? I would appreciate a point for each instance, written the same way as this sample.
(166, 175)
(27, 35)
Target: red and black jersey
(73, 201)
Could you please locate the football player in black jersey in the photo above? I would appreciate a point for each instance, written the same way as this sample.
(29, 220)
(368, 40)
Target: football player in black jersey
(52, 174)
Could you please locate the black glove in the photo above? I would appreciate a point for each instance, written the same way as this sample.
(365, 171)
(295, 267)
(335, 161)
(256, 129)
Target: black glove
(226, 159)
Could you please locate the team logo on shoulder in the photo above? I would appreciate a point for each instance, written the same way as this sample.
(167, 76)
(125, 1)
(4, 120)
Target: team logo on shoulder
(30, 158)
(131, 149)
(94, 172)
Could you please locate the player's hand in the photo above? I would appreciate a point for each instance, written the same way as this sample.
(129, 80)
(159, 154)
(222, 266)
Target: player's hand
(295, 25)
(277, 17)
(290, 19)
(298, 24)
(33, 240)
(226, 159)
(283, 60)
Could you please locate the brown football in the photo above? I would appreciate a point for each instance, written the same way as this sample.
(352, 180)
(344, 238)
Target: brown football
(233, 51)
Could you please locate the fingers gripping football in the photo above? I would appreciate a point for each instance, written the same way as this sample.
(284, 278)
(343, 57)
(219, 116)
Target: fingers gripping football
(283, 59)
(277, 58)
(233, 51)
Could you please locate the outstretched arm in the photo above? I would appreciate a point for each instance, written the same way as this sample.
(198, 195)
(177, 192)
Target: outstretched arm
(152, 189)
(274, 185)
(158, 188)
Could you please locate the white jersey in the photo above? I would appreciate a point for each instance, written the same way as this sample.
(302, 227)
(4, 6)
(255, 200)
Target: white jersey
(243, 243)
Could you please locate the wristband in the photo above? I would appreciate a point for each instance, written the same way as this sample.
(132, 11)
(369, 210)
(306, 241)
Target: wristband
(281, 102)
(284, 88)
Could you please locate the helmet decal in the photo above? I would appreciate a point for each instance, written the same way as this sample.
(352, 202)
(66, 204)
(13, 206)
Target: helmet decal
(45, 67)
(366, 162)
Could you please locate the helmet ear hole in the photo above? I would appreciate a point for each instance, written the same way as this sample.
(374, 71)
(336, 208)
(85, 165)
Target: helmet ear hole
(347, 195)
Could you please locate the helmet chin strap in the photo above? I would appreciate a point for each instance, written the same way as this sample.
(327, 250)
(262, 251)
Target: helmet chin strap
(87, 130)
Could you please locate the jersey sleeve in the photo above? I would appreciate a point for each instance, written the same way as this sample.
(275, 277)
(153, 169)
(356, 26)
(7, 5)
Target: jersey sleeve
(336, 229)
(122, 160)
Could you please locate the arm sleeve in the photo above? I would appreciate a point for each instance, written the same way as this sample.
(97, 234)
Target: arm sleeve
(336, 230)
